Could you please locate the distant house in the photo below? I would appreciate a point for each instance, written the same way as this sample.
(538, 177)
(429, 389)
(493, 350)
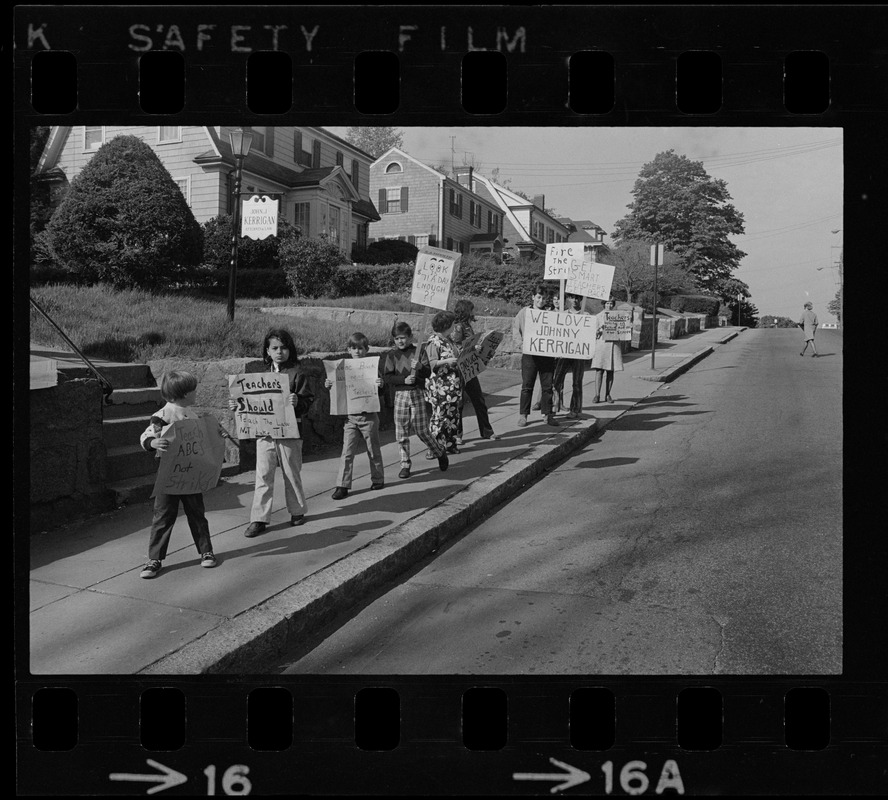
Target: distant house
(587, 232)
(419, 205)
(322, 181)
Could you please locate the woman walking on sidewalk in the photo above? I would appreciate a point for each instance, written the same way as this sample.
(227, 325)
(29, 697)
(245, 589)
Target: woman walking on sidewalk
(607, 357)
(808, 323)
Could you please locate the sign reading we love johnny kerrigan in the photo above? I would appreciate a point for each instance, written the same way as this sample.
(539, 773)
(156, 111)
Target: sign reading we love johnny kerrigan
(558, 333)
(263, 406)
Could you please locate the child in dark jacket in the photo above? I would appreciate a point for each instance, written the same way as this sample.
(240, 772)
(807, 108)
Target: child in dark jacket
(279, 355)
(405, 373)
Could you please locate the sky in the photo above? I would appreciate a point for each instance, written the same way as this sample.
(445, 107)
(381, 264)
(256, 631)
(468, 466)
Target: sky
(787, 183)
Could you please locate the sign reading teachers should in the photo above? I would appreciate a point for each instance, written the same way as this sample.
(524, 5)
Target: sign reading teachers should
(616, 326)
(193, 461)
(434, 276)
(354, 389)
(263, 406)
(558, 333)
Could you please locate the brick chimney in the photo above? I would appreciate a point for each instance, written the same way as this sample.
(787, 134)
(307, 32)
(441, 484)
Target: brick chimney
(539, 200)
(464, 176)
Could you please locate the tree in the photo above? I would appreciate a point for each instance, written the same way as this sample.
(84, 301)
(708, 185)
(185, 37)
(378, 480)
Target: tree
(40, 207)
(835, 306)
(251, 253)
(679, 205)
(375, 140)
(124, 220)
(633, 273)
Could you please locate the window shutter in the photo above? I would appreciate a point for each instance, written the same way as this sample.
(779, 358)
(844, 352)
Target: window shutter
(404, 193)
(356, 174)
(316, 154)
(269, 141)
(339, 158)
(433, 242)
(297, 147)
(382, 203)
(412, 240)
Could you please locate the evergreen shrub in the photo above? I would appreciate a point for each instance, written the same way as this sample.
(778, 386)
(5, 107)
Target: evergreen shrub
(310, 265)
(390, 251)
(695, 304)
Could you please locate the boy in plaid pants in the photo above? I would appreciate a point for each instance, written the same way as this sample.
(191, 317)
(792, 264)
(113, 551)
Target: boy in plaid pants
(406, 375)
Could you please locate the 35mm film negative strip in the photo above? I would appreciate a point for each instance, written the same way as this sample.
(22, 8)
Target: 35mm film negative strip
(193, 722)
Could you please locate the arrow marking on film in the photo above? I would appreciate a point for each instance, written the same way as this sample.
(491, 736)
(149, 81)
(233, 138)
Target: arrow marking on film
(573, 776)
(167, 780)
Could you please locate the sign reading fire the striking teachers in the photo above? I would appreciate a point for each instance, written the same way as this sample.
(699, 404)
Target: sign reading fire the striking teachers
(263, 406)
(434, 276)
(562, 259)
(354, 389)
(558, 333)
(193, 461)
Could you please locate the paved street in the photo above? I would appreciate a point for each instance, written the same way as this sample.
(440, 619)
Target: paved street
(700, 533)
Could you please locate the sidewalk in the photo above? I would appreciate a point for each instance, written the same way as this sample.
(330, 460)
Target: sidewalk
(90, 613)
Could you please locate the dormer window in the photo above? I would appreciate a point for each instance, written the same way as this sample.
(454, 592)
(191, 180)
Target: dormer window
(93, 137)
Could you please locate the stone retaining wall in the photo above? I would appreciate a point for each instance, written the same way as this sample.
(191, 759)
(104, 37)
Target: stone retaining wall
(67, 453)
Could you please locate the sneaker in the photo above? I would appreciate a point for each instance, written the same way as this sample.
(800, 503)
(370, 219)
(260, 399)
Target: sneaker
(522, 421)
(377, 486)
(297, 519)
(208, 560)
(340, 493)
(150, 569)
(404, 473)
(453, 450)
(443, 462)
(491, 436)
(550, 420)
(572, 415)
(430, 456)
(254, 529)
(459, 440)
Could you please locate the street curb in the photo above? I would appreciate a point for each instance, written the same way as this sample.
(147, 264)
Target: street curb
(248, 642)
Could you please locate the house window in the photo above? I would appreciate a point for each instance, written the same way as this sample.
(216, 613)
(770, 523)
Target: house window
(302, 149)
(260, 139)
(393, 200)
(302, 216)
(449, 243)
(355, 173)
(489, 221)
(393, 167)
(421, 240)
(550, 236)
(169, 133)
(340, 159)
(93, 136)
(333, 231)
(183, 184)
(456, 204)
(460, 247)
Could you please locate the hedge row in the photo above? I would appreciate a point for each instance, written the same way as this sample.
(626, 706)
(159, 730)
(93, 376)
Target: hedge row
(695, 304)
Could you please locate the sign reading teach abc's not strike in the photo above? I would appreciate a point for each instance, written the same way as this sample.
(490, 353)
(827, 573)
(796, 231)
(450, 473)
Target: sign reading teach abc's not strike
(558, 333)
(263, 406)
(193, 461)
(434, 276)
(260, 216)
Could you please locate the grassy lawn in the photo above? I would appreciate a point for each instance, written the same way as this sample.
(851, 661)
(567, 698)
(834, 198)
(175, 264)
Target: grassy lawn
(139, 326)
(487, 306)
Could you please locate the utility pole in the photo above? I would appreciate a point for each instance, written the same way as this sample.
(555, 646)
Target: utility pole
(452, 153)
(657, 253)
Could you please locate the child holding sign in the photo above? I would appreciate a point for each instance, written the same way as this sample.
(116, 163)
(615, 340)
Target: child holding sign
(178, 389)
(364, 424)
(405, 373)
(444, 387)
(464, 311)
(607, 358)
(279, 355)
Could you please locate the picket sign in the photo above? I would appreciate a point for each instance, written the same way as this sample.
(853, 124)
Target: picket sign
(192, 463)
(472, 362)
(433, 277)
(263, 405)
(354, 389)
(558, 334)
(617, 326)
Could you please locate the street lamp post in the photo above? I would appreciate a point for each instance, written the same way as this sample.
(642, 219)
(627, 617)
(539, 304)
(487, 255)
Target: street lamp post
(739, 304)
(241, 140)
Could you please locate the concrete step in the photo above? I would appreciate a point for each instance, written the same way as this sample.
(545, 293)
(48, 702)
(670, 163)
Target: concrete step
(129, 461)
(120, 376)
(123, 431)
(133, 402)
(138, 489)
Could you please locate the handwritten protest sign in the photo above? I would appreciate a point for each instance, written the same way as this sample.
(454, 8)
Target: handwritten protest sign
(354, 389)
(193, 461)
(434, 276)
(263, 406)
(562, 259)
(471, 362)
(260, 217)
(558, 333)
(591, 279)
(617, 326)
